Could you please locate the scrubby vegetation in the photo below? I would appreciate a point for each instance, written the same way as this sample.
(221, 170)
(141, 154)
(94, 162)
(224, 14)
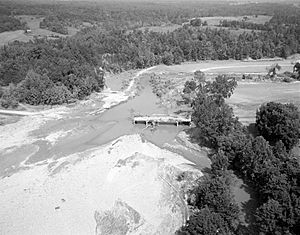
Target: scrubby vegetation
(266, 162)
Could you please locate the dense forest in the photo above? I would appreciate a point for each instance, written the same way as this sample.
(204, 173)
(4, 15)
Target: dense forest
(53, 24)
(265, 161)
(8, 23)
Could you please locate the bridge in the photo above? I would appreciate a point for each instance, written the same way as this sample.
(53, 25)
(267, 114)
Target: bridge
(157, 119)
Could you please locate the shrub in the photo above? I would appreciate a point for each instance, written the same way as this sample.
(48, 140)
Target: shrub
(8, 97)
(32, 89)
(57, 95)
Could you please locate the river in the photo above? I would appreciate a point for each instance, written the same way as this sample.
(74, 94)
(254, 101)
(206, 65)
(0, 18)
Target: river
(81, 127)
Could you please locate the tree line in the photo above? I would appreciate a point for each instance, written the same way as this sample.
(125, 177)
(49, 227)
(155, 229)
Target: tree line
(265, 161)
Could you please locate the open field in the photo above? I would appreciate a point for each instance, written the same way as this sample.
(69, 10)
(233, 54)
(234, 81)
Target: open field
(11, 36)
(33, 22)
(171, 28)
(260, 19)
(162, 29)
(213, 23)
(225, 66)
(249, 95)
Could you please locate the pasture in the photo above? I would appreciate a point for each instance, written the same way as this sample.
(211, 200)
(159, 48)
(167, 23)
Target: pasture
(249, 95)
(213, 21)
(225, 66)
(161, 29)
(33, 22)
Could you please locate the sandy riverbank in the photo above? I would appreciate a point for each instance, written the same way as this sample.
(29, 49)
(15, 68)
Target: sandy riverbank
(63, 196)
(128, 185)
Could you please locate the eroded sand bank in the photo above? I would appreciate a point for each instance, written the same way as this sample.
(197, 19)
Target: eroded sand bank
(68, 195)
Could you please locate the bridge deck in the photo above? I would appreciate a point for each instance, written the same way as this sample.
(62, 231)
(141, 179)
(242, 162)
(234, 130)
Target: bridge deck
(162, 119)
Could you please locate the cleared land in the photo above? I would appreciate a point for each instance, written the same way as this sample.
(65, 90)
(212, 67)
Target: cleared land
(162, 29)
(213, 23)
(248, 96)
(33, 22)
(260, 19)
(232, 66)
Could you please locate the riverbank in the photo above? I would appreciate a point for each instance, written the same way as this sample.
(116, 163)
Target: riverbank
(62, 196)
(85, 166)
(77, 168)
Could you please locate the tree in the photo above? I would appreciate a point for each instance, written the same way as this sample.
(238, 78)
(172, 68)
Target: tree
(214, 192)
(212, 117)
(196, 22)
(220, 163)
(223, 86)
(32, 89)
(199, 77)
(296, 68)
(272, 70)
(276, 121)
(205, 222)
(268, 216)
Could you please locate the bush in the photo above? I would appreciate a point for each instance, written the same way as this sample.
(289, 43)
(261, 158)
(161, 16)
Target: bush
(8, 97)
(32, 90)
(57, 95)
(276, 121)
(205, 222)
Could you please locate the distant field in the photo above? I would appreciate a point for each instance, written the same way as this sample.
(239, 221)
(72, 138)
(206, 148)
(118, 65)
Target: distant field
(18, 35)
(162, 29)
(226, 66)
(33, 23)
(171, 28)
(213, 23)
(248, 96)
(260, 19)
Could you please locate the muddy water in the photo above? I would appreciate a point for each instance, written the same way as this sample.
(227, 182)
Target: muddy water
(145, 103)
(84, 130)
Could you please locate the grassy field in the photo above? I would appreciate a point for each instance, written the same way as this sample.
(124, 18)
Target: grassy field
(33, 22)
(213, 23)
(225, 66)
(162, 29)
(260, 19)
(248, 96)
